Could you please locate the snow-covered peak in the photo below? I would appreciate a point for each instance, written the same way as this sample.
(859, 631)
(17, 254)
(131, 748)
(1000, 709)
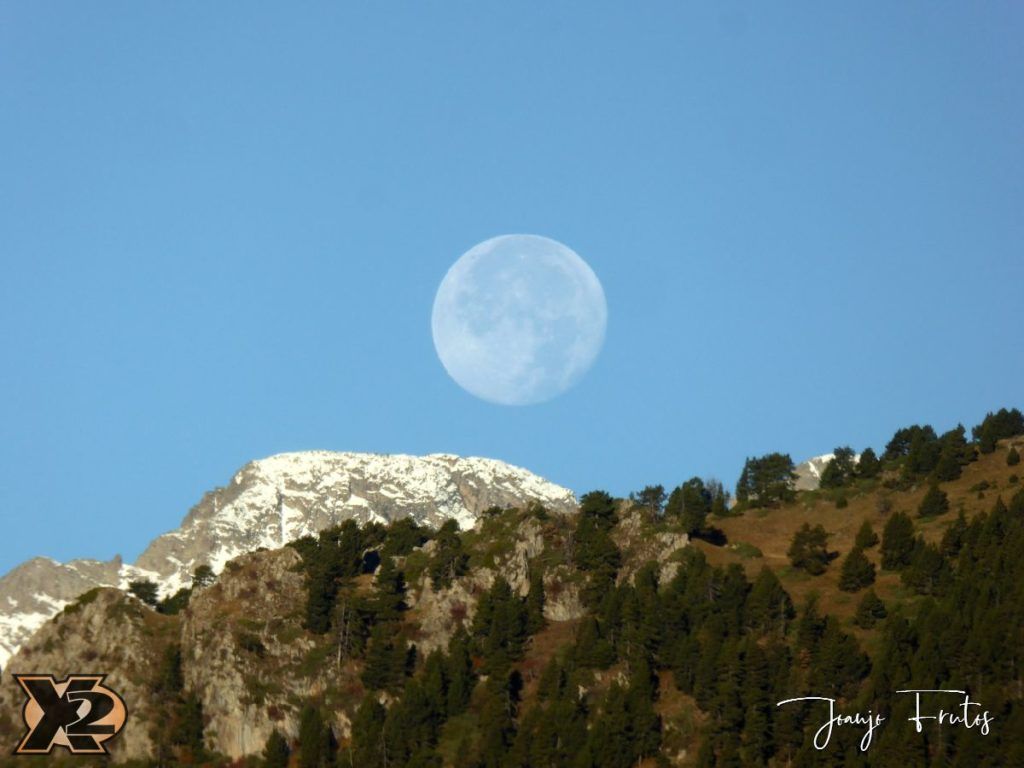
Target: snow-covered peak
(808, 473)
(275, 500)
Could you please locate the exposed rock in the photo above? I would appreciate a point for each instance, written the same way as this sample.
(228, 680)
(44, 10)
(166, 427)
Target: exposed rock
(273, 501)
(562, 601)
(633, 536)
(808, 473)
(243, 649)
(112, 634)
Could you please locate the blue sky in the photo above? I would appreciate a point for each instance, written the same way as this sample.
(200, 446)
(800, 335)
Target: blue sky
(222, 226)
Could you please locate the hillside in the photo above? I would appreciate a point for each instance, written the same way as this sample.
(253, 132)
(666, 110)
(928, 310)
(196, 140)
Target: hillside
(269, 502)
(644, 631)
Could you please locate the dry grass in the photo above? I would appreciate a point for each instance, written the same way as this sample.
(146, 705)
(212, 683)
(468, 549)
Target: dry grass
(771, 531)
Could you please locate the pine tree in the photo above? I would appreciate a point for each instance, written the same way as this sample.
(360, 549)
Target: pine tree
(390, 583)
(276, 752)
(1012, 457)
(145, 590)
(497, 728)
(535, 621)
(869, 466)
(769, 607)
(766, 480)
(203, 576)
(870, 610)
(459, 673)
(651, 498)
(316, 741)
(998, 426)
(386, 659)
(897, 542)
(690, 503)
(449, 560)
(934, 503)
(839, 470)
(928, 571)
(866, 536)
(188, 730)
(809, 549)
(953, 538)
(857, 573)
(367, 749)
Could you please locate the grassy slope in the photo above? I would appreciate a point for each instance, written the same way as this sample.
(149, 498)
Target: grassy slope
(771, 532)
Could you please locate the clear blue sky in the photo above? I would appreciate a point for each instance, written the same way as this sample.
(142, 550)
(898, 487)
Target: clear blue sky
(222, 226)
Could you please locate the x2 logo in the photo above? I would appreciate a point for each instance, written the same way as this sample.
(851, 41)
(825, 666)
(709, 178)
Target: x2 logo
(78, 713)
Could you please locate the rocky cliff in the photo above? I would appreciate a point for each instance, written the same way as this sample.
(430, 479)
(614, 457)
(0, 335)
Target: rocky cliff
(270, 502)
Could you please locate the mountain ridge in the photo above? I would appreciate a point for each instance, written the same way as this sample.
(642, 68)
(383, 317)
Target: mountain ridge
(269, 502)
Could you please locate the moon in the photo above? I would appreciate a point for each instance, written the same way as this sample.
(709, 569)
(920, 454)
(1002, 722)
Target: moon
(519, 319)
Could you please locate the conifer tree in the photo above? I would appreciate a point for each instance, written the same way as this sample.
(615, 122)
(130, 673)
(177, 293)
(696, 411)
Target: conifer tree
(449, 560)
(857, 573)
(390, 583)
(367, 749)
(276, 752)
(459, 673)
(953, 538)
(535, 621)
(650, 498)
(145, 590)
(870, 610)
(998, 426)
(839, 470)
(928, 572)
(809, 549)
(897, 542)
(690, 503)
(866, 536)
(769, 607)
(766, 480)
(316, 741)
(386, 660)
(869, 466)
(1012, 457)
(934, 503)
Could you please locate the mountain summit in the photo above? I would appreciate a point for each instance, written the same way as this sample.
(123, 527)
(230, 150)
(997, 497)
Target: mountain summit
(270, 502)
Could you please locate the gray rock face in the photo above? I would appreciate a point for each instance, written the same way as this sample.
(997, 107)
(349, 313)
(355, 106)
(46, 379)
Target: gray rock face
(35, 590)
(271, 502)
(112, 633)
(808, 473)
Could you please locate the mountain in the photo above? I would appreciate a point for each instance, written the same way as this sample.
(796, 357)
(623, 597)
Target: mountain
(267, 504)
(538, 635)
(808, 473)
(604, 636)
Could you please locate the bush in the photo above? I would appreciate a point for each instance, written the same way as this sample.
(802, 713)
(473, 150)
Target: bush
(1012, 458)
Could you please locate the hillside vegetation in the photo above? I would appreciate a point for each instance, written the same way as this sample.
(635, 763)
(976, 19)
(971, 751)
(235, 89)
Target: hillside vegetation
(656, 630)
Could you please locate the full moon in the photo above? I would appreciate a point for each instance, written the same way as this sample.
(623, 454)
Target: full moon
(519, 319)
